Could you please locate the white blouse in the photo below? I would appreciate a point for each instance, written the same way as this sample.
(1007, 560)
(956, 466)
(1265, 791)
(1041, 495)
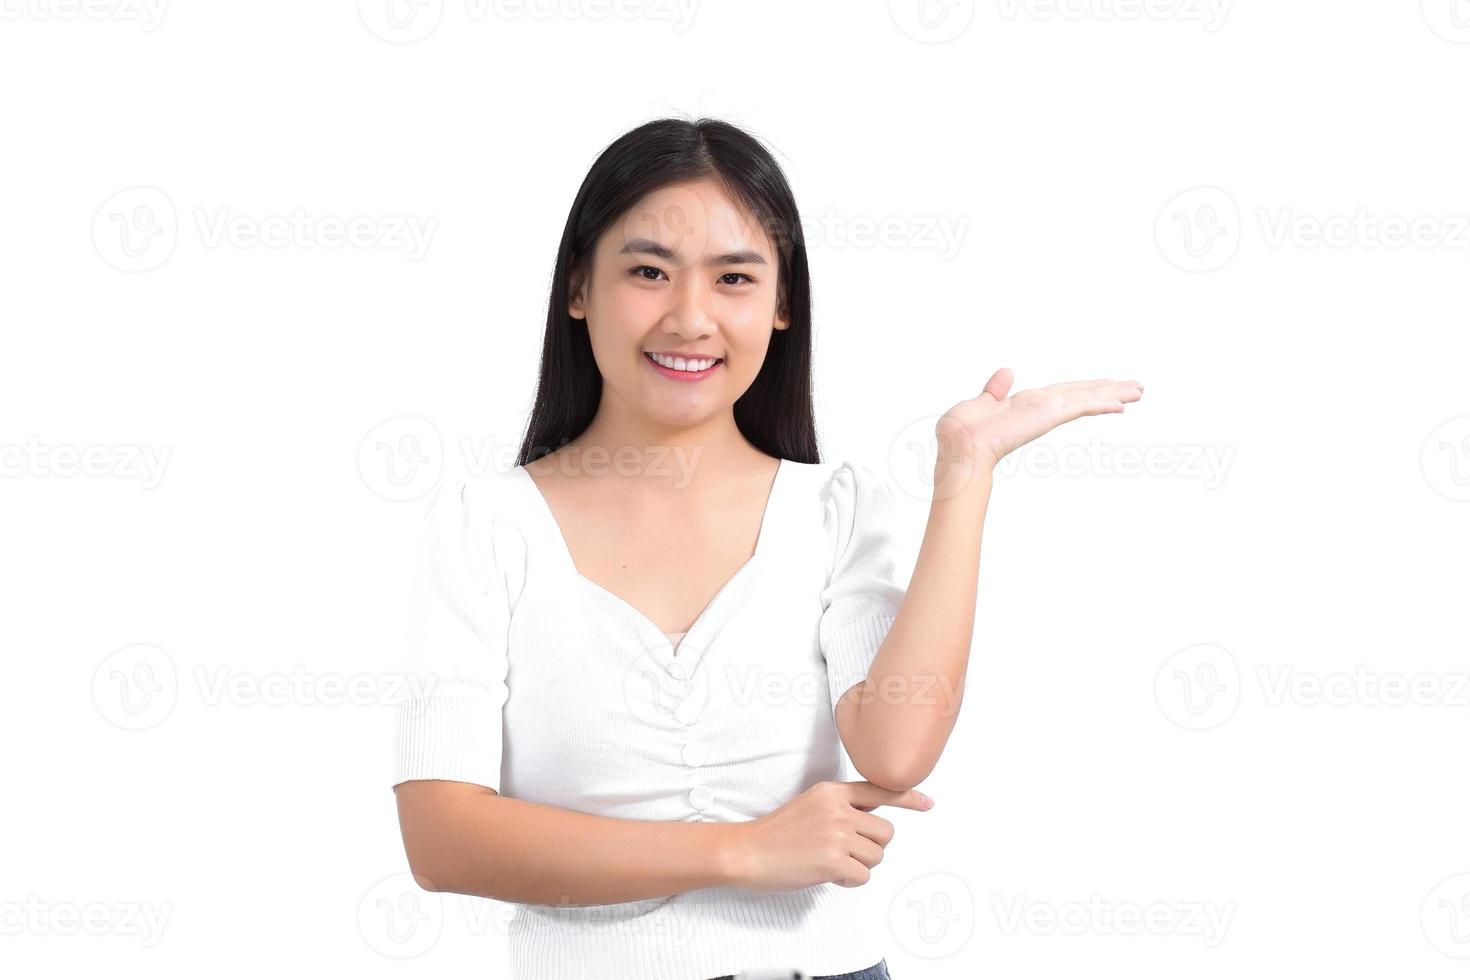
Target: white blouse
(546, 687)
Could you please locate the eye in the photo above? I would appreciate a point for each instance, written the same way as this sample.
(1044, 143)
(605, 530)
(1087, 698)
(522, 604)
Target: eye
(740, 274)
(639, 270)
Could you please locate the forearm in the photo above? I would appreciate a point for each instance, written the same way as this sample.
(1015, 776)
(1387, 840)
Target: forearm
(898, 720)
(496, 847)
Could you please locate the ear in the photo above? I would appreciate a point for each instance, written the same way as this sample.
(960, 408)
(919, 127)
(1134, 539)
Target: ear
(576, 294)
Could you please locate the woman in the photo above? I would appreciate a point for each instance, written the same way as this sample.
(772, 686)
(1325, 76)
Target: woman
(655, 644)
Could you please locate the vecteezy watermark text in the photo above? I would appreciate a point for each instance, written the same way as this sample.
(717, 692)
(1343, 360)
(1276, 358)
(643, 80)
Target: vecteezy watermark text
(1208, 921)
(1210, 14)
(148, 14)
(34, 916)
(128, 461)
(137, 229)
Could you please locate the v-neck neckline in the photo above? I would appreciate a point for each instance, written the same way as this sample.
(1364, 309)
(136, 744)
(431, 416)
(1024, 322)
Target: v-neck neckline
(694, 638)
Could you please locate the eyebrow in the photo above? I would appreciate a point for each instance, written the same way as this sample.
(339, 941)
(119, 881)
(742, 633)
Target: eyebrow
(648, 246)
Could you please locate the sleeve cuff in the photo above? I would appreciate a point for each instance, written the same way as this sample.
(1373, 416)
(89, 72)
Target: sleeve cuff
(850, 650)
(447, 738)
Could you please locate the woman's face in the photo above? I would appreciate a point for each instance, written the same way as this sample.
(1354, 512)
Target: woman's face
(687, 271)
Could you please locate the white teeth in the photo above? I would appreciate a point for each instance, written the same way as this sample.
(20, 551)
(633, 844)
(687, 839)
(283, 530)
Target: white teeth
(681, 364)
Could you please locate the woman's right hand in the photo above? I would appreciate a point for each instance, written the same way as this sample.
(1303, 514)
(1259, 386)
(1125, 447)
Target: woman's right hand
(825, 834)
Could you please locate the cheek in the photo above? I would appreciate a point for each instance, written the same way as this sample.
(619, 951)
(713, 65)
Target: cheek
(620, 317)
(747, 325)
(618, 301)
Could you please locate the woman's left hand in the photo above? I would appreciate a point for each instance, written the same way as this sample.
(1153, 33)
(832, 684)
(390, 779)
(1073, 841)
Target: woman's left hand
(983, 429)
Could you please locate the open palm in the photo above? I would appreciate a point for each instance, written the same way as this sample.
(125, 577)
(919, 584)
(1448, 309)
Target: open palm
(987, 427)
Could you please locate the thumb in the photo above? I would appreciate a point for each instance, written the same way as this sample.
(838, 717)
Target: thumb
(999, 384)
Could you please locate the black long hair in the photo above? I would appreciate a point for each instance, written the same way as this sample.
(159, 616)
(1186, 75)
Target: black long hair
(775, 413)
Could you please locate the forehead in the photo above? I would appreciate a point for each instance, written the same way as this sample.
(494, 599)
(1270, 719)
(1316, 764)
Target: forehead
(693, 220)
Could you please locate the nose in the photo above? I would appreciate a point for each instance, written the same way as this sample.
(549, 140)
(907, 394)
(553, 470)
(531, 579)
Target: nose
(688, 314)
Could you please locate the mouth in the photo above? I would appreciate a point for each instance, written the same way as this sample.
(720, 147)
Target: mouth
(682, 368)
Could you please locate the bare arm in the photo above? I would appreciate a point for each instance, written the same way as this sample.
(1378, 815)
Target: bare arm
(468, 839)
(896, 722)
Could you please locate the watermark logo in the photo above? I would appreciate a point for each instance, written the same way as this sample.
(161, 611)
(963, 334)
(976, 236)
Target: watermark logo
(1206, 463)
(398, 918)
(1362, 229)
(1201, 686)
(219, 684)
(34, 458)
(147, 14)
(1198, 687)
(1206, 921)
(914, 451)
(1445, 917)
(136, 687)
(407, 21)
(932, 21)
(1445, 459)
(37, 917)
(408, 233)
(933, 916)
(1210, 14)
(1199, 229)
(400, 21)
(135, 230)
(661, 687)
(401, 458)
(1361, 687)
(1450, 19)
(942, 234)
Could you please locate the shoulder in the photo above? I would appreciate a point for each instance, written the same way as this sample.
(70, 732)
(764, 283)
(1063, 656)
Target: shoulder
(494, 496)
(851, 499)
(477, 517)
(854, 491)
(836, 481)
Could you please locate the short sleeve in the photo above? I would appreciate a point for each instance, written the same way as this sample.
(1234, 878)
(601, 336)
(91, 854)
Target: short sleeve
(866, 584)
(449, 725)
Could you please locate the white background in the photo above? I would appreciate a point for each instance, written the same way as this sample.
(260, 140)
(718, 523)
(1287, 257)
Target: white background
(1182, 701)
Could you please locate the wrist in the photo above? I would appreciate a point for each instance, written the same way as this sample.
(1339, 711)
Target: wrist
(954, 473)
(731, 853)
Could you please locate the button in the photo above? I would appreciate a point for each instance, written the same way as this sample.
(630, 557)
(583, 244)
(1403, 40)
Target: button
(701, 797)
(679, 670)
(694, 754)
(687, 712)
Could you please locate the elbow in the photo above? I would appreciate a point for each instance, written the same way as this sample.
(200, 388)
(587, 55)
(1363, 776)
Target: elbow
(898, 771)
(440, 821)
(420, 850)
(424, 874)
(890, 774)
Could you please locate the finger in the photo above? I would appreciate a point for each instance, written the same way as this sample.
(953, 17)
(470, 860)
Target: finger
(1101, 387)
(854, 873)
(865, 852)
(863, 794)
(875, 829)
(1078, 407)
(999, 384)
(1123, 391)
(1062, 387)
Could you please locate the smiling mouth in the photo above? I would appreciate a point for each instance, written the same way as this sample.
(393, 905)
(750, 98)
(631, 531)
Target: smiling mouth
(673, 364)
